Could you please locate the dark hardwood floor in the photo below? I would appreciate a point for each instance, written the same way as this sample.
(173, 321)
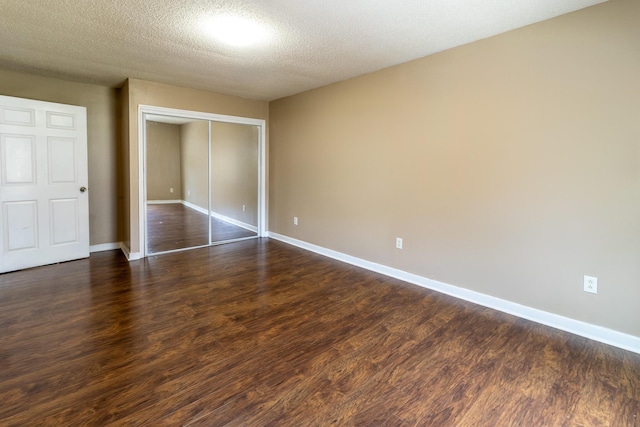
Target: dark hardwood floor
(259, 333)
(175, 226)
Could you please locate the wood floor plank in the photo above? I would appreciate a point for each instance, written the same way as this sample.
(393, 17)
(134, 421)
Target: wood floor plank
(260, 333)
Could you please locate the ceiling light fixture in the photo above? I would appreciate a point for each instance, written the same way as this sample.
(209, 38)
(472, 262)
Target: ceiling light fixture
(235, 30)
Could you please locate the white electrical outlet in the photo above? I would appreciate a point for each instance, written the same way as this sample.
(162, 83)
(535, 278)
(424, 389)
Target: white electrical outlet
(188, 192)
(591, 284)
(171, 190)
(295, 220)
(244, 208)
(398, 242)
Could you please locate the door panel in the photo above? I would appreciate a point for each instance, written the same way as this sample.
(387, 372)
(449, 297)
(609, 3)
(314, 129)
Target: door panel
(64, 221)
(56, 120)
(18, 159)
(62, 164)
(43, 161)
(20, 225)
(17, 116)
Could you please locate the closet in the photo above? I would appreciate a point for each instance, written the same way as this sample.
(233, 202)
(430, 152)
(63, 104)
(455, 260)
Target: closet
(203, 179)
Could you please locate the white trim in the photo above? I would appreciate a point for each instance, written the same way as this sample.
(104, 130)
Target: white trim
(104, 247)
(131, 256)
(210, 176)
(199, 115)
(235, 222)
(163, 202)
(577, 327)
(263, 229)
(195, 207)
(142, 183)
(222, 217)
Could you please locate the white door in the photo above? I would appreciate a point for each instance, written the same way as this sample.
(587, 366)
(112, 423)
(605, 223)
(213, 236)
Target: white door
(43, 171)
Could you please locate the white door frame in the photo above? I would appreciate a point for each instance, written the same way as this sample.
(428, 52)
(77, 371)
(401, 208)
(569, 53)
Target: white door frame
(143, 110)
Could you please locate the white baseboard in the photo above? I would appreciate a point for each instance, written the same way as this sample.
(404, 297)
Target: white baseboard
(131, 256)
(222, 217)
(577, 327)
(104, 247)
(235, 222)
(163, 202)
(194, 207)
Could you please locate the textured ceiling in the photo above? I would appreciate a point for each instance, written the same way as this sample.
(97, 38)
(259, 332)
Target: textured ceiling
(312, 43)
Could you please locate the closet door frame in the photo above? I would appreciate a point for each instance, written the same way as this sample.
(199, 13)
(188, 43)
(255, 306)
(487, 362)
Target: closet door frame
(144, 110)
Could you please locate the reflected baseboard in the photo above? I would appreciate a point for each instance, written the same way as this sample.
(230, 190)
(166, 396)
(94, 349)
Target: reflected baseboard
(221, 217)
(235, 222)
(194, 207)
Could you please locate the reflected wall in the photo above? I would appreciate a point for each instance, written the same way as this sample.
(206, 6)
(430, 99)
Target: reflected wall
(234, 172)
(202, 182)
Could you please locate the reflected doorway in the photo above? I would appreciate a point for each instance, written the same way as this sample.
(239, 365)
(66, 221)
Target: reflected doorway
(203, 179)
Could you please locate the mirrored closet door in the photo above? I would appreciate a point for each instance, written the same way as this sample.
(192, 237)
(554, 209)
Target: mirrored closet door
(201, 182)
(234, 181)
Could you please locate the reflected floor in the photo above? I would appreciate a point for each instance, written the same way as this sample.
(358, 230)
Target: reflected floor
(175, 226)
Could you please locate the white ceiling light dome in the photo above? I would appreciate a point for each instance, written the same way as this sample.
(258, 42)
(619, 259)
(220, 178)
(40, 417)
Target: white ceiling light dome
(236, 30)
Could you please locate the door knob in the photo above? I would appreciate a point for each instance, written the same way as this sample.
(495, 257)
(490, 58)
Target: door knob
(83, 189)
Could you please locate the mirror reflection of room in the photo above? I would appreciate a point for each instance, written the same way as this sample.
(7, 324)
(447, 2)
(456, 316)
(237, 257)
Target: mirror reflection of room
(234, 180)
(189, 204)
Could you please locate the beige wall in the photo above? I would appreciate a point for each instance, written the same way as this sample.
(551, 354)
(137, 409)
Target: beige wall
(103, 114)
(142, 92)
(510, 166)
(195, 163)
(163, 161)
(234, 171)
